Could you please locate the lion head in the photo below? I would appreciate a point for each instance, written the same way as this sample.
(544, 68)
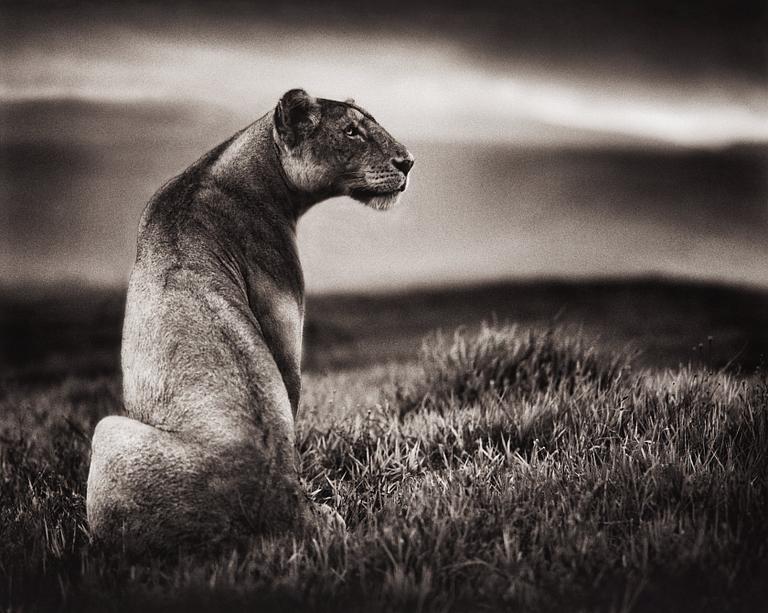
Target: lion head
(330, 148)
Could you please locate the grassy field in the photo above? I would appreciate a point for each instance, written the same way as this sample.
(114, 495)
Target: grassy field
(609, 451)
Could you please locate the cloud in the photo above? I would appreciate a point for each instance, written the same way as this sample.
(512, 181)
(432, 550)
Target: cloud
(425, 88)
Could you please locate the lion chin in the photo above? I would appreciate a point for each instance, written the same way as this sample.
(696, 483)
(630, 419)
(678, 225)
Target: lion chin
(383, 203)
(379, 202)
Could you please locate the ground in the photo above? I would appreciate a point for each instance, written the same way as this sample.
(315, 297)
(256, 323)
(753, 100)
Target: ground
(593, 446)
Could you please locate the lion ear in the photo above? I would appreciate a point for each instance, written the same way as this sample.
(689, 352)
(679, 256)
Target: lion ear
(296, 116)
(350, 101)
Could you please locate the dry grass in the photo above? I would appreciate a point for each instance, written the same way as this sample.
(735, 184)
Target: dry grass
(511, 469)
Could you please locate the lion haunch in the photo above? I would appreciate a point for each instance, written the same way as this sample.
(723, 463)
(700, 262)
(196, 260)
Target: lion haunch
(212, 333)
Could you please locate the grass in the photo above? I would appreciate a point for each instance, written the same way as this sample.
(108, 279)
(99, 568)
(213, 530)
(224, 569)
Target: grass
(526, 469)
(507, 362)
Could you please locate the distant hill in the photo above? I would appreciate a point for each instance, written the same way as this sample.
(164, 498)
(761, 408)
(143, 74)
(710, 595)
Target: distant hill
(52, 332)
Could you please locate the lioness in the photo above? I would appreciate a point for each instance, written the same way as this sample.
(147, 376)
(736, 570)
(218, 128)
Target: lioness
(213, 327)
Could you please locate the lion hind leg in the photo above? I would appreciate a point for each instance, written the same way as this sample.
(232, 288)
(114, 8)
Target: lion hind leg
(153, 490)
(143, 489)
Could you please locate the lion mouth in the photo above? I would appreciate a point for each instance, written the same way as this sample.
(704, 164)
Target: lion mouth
(365, 193)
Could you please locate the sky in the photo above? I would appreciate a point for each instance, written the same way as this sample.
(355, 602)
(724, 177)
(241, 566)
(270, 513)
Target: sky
(101, 102)
(709, 90)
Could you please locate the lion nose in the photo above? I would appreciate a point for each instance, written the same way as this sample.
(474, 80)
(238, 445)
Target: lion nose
(404, 165)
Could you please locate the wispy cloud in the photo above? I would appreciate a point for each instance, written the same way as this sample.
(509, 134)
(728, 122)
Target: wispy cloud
(425, 88)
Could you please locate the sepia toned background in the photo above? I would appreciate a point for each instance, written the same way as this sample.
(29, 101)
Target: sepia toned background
(551, 139)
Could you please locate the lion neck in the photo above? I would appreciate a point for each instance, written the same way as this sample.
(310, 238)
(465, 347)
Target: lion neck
(252, 166)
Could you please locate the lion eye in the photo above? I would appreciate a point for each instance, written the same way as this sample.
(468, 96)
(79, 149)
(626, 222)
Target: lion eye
(352, 131)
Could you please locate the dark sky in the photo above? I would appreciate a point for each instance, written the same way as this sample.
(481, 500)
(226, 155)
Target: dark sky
(697, 39)
(101, 102)
(686, 73)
